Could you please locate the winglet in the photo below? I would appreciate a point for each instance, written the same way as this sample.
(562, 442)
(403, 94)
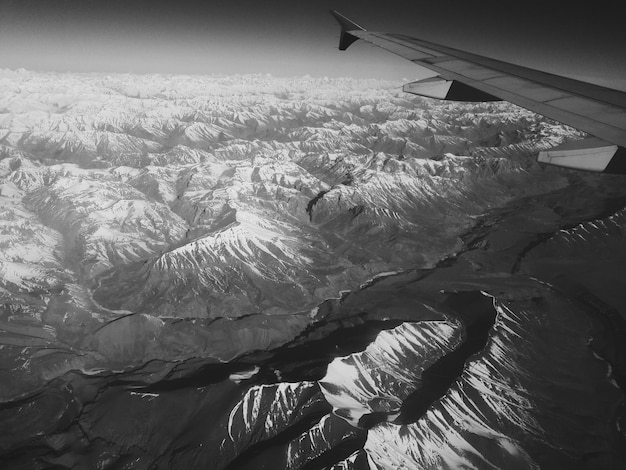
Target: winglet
(346, 24)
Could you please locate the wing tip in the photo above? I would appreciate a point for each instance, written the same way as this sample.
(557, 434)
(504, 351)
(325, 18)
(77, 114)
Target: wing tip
(347, 25)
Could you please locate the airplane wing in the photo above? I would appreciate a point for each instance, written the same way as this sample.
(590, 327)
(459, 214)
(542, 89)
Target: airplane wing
(463, 76)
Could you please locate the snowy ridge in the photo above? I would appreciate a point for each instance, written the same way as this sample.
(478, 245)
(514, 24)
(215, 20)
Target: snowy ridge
(265, 410)
(603, 231)
(499, 399)
(379, 378)
(104, 221)
(247, 253)
(326, 434)
(29, 254)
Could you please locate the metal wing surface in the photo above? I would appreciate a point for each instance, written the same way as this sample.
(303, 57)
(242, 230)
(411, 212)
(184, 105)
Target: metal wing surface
(464, 76)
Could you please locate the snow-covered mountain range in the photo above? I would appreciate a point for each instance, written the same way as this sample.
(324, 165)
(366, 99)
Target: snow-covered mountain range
(317, 273)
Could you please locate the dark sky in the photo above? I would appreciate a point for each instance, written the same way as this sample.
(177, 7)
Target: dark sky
(296, 37)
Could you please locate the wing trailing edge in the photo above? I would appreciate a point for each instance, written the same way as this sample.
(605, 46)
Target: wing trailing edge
(464, 76)
(591, 154)
(453, 90)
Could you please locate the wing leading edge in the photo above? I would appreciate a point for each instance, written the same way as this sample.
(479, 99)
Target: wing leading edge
(463, 76)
